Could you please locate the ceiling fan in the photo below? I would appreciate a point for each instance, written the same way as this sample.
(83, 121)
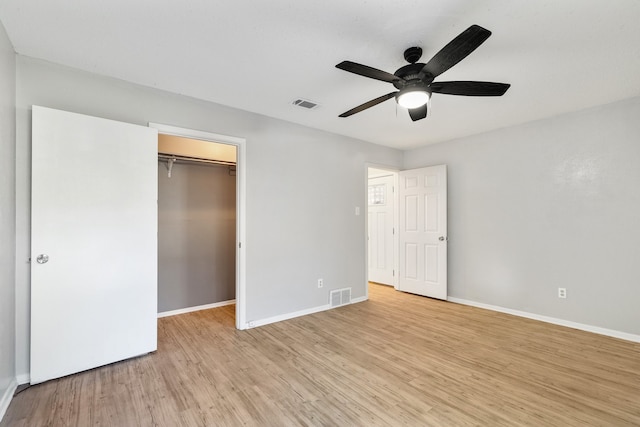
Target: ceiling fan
(415, 81)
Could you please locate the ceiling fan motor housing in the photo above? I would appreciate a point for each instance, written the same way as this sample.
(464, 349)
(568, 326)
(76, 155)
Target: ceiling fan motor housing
(410, 74)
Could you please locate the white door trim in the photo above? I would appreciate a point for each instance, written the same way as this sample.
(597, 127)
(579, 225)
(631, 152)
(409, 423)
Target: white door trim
(241, 204)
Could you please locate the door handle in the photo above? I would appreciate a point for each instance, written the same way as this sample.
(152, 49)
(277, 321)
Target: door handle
(42, 259)
(443, 238)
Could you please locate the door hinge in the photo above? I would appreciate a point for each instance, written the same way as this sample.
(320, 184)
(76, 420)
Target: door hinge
(240, 245)
(393, 231)
(394, 273)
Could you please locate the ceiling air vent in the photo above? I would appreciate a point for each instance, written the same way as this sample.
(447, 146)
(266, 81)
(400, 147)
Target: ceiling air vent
(305, 103)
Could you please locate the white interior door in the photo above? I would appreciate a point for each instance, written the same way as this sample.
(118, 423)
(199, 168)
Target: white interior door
(423, 231)
(380, 224)
(94, 242)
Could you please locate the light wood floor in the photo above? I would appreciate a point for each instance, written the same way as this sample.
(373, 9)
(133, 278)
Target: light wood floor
(396, 359)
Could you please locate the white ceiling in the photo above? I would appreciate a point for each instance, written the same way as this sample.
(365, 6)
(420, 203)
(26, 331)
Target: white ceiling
(558, 55)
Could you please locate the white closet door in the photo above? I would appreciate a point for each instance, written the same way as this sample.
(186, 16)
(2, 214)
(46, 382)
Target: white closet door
(94, 242)
(423, 231)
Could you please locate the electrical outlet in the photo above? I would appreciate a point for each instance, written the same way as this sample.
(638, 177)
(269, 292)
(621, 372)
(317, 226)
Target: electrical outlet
(562, 292)
(320, 283)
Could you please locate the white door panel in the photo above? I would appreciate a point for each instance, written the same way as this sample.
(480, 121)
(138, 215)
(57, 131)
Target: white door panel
(94, 214)
(423, 231)
(380, 220)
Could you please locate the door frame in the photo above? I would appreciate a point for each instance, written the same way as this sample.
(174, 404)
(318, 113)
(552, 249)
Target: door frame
(394, 171)
(241, 220)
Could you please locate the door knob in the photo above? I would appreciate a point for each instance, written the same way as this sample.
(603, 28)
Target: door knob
(42, 259)
(442, 238)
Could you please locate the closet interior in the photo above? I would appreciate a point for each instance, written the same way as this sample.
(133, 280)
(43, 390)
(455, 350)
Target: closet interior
(196, 223)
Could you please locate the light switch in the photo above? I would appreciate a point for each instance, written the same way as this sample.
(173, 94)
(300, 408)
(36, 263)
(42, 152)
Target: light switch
(357, 210)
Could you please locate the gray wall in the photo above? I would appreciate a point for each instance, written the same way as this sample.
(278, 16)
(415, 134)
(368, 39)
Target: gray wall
(531, 208)
(553, 203)
(196, 235)
(7, 211)
(300, 219)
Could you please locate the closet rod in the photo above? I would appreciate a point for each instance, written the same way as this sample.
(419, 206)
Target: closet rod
(171, 157)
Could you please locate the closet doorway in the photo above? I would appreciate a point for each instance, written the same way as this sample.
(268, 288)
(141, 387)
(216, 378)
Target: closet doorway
(200, 202)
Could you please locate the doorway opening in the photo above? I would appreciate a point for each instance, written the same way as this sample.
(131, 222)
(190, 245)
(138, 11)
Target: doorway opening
(414, 249)
(382, 217)
(201, 201)
(196, 224)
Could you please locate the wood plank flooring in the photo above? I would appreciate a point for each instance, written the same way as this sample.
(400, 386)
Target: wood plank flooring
(397, 359)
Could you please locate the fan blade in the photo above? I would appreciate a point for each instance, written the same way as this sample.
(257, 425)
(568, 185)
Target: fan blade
(470, 88)
(456, 50)
(418, 113)
(368, 104)
(366, 71)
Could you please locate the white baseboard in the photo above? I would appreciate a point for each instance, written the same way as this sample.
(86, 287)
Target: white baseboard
(5, 400)
(575, 325)
(359, 299)
(196, 308)
(287, 316)
(23, 379)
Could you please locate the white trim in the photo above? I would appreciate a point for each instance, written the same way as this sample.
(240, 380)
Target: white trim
(195, 308)
(241, 203)
(581, 326)
(5, 400)
(23, 378)
(196, 134)
(287, 316)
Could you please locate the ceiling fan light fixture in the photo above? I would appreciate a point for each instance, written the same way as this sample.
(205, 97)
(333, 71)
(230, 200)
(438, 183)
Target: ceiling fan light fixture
(413, 97)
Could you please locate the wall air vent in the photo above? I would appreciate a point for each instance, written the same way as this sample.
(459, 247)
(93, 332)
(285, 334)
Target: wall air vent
(340, 297)
(305, 103)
